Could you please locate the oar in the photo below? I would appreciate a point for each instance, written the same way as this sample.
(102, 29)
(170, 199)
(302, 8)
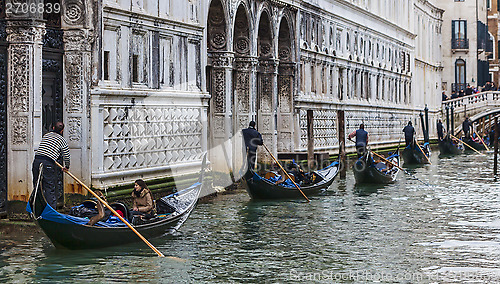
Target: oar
(387, 161)
(482, 141)
(286, 172)
(416, 141)
(467, 145)
(114, 212)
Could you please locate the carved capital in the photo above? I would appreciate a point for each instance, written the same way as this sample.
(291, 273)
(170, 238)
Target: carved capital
(268, 66)
(79, 40)
(25, 31)
(245, 63)
(222, 59)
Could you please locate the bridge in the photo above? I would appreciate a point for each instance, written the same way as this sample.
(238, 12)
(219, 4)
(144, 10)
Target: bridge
(481, 108)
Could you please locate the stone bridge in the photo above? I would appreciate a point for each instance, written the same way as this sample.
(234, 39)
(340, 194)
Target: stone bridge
(481, 108)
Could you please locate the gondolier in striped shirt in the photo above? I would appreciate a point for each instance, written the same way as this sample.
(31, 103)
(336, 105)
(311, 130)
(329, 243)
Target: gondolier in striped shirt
(52, 146)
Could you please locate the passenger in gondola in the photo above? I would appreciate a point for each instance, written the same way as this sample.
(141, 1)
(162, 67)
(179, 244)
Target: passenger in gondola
(100, 210)
(440, 130)
(300, 176)
(361, 139)
(283, 177)
(409, 132)
(143, 200)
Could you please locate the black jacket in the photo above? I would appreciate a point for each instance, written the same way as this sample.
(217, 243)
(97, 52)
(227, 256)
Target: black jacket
(252, 138)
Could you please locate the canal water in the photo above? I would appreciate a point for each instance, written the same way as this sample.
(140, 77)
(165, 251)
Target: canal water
(400, 233)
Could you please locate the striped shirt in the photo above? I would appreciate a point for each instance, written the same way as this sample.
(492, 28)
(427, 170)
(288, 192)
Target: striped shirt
(54, 145)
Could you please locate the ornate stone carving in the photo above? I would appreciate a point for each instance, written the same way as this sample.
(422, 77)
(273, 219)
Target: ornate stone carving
(222, 60)
(265, 97)
(19, 73)
(80, 40)
(285, 93)
(74, 129)
(19, 133)
(242, 45)
(24, 31)
(74, 77)
(219, 90)
(242, 91)
(73, 12)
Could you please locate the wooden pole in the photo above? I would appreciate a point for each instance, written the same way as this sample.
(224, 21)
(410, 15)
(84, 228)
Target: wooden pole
(286, 173)
(481, 138)
(114, 212)
(416, 141)
(341, 134)
(387, 161)
(310, 139)
(495, 161)
(467, 145)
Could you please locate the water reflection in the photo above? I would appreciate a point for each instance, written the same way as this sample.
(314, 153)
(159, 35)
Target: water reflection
(446, 233)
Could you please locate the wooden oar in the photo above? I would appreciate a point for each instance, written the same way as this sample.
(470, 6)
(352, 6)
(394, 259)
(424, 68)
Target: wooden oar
(416, 141)
(482, 141)
(286, 172)
(114, 212)
(387, 161)
(467, 145)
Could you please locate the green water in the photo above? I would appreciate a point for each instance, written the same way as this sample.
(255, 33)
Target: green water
(400, 233)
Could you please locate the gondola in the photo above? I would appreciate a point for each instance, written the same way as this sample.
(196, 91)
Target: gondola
(412, 155)
(367, 171)
(261, 188)
(66, 231)
(448, 147)
(476, 145)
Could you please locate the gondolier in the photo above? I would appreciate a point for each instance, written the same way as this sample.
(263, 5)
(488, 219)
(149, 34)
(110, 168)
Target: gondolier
(361, 139)
(52, 146)
(252, 139)
(409, 131)
(466, 127)
(440, 130)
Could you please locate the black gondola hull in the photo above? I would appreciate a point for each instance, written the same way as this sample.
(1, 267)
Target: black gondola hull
(71, 232)
(414, 157)
(259, 188)
(366, 173)
(74, 236)
(446, 147)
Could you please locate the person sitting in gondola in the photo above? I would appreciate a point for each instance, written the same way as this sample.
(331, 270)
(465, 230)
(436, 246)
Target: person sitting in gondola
(143, 204)
(300, 176)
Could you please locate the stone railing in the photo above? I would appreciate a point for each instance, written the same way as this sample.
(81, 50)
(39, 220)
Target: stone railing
(471, 105)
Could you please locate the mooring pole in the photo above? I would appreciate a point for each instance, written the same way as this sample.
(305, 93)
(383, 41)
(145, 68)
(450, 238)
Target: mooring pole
(310, 139)
(426, 137)
(448, 119)
(341, 136)
(495, 163)
(452, 121)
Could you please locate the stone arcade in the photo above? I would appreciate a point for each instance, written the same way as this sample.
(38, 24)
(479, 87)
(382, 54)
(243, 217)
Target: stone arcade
(145, 87)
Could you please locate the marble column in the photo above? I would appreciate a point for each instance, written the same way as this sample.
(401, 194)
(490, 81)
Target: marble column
(24, 102)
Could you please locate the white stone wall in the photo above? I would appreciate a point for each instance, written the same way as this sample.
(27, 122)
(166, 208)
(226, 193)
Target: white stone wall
(148, 106)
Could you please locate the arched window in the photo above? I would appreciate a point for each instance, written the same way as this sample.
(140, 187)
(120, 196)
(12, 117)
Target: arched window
(460, 74)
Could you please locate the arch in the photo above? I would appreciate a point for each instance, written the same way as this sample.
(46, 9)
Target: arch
(242, 27)
(265, 35)
(217, 34)
(460, 73)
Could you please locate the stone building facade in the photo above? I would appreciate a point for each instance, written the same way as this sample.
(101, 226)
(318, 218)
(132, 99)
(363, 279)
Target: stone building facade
(465, 37)
(493, 39)
(145, 87)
